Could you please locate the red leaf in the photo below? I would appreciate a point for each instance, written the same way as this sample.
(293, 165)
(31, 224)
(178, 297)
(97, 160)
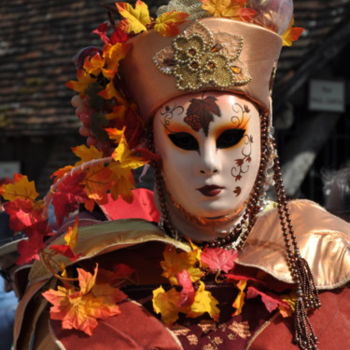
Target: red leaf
(29, 249)
(67, 197)
(271, 302)
(119, 36)
(188, 292)
(235, 277)
(65, 250)
(22, 213)
(101, 31)
(218, 259)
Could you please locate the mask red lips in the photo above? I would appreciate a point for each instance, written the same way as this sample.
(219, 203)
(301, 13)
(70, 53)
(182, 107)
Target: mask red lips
(210, 190)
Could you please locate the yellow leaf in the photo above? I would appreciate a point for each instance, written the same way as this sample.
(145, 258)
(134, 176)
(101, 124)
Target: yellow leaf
(21, 188)
(166, 304)
(223, 8)
(112, 55)
(71, 237)
(167, 24)
(97, 181)
(86, 153)
(117, 113)
(239, 301)
(125, 157)
(204, 302)
(94, 65)
(123, 182)
(287, 311)
(83, 82)
(137, 18)
(175, 262)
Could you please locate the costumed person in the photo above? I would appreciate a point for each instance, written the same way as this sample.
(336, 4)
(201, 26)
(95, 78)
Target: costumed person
(217, 266)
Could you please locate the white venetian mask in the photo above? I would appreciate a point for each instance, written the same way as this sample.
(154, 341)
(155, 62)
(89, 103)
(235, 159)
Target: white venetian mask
(209, 144)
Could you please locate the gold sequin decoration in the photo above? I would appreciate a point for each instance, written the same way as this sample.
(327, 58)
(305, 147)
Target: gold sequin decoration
(198, 59)
(240, 328)
(192, 339)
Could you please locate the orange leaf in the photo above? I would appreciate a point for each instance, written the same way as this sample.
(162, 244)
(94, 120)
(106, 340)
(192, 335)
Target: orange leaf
(113, 54)
(86, 153)
(80, 309)
(167, 23)
(98, 181)
(94, 65)
(218, 259)
(291, 35)
(58, 174)
(239, 301)
(71, 236)
(223, 8)
(19, 188)
(83, 82)
(136, 19)
(176, 262)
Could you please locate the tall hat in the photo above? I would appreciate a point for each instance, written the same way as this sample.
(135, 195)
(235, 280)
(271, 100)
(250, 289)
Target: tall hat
(235, 51)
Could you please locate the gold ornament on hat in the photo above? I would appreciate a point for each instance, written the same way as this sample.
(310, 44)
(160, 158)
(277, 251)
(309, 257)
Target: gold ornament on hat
(201, 59)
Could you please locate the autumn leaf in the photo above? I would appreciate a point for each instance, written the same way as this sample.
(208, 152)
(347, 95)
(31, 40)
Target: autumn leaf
(204, 302)
(97, 183)
(23, 213)
(118, 112)
(29, 249)
(123, 182)
(167, 24)
(70, 238)
(288, 307)
(111, 92)
(291, 34)
(80, 308)
(136, 19)
(86, 153)
(112, 55)
(119, 274)
(119, 36)
(20, 187)
(187, 292)
(125, 156)
(167, 304)
(58, 174)
(83, 82)
(218, 259)
(68, 195)
(93, 65)
(239, 301)
(101, 31)
(271, 301)
(176, 262)
(246, 14)
(115, 134)
(223, 8)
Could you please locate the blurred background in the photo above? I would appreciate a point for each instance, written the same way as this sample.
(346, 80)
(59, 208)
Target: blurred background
(39, 38)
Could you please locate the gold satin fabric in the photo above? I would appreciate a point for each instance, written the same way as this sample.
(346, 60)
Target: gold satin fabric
(323, 240)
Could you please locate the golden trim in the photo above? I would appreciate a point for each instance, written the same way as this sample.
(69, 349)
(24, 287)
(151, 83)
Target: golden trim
(261, 329)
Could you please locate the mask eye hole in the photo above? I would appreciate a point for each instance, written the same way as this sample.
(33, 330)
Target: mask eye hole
(229, 138)
(184, 141)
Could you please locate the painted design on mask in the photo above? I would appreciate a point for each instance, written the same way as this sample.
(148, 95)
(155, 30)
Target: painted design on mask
(169, 112)
(201, 112)
(241, 164)
(237, 191)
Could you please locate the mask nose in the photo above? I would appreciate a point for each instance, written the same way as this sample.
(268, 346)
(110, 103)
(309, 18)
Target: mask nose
(209, 161)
